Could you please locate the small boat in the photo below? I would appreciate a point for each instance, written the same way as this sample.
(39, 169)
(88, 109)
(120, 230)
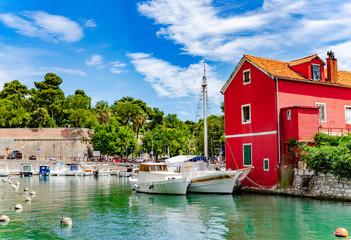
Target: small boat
(155, 178)
(103, 172)
(27, 170)
(4, 172)
(44, 170)
(203, 179)
(73, 170)
(58, 169)
(87, 170)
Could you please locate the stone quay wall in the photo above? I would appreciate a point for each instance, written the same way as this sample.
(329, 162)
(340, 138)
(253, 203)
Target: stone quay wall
(65, 144)
(308, 183)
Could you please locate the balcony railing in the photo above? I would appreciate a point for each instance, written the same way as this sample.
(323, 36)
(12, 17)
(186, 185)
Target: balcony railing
(334, 131)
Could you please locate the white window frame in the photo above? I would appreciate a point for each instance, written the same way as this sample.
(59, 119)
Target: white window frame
(242, 114)
(247, 70)
(288, 114)
(325, 111)
(265, 169)
(347, 107)
(320, 71)
(246, 144)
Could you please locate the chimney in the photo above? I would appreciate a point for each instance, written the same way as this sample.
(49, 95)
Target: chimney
(332, 68)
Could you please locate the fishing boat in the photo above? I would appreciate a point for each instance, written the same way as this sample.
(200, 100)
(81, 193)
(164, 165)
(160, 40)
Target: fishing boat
(27, 170)
(155, 178)
(4, 172)
(73, 170)
(44, 170)
(202, 178)
(58, 169)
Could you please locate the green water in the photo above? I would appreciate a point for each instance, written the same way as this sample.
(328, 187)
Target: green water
(106, 208)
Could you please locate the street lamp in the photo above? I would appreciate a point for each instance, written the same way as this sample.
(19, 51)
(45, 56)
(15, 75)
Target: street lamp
(152, 145)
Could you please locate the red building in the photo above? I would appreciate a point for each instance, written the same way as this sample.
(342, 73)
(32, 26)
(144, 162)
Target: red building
(268, 102)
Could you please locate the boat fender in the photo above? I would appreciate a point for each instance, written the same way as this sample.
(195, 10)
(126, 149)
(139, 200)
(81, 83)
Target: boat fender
(341, 232)
(136, 186)
(151, 186)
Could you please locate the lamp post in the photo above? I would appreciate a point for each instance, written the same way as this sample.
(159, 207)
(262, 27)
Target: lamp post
(152, 145)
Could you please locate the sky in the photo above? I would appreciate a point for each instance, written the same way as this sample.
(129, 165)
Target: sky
(155, 50)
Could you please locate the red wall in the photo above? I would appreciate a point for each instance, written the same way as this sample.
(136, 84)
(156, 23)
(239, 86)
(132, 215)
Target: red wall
(260, 93)
(307, 94)
(305, 69)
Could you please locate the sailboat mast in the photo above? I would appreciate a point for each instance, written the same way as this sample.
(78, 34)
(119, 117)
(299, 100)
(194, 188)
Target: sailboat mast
(204, 97)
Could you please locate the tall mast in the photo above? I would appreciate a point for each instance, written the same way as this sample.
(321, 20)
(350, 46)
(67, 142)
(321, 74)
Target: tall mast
(204, 97)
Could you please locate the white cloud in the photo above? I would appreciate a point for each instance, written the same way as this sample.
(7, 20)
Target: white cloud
(69, 71)
(277, 25)
(44, 25)
(95, 60)
(184, 113)
(98, 62)
(90, 23)
(174, 81)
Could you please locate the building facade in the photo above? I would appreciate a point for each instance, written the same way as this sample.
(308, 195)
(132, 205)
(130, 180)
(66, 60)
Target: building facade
(268, 103)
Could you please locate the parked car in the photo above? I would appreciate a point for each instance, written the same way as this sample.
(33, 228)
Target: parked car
(52, 158)
(139, 160)
(15, 155)
(1, 156)
(32, 157)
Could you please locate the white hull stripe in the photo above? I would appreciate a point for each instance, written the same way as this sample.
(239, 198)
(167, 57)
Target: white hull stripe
(251, 134)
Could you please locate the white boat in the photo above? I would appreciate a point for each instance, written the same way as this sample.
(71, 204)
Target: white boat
(27, 170)
(58, 169)
(73, 169)
(155, 178)
(4, 172)
(104, 172)
(203, 179)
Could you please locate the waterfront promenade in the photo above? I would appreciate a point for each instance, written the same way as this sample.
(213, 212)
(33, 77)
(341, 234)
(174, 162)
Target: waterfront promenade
(14, 166)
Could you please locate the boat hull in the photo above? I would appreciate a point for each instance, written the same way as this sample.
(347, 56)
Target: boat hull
(4, 174)
(171, 186)
(216, 183)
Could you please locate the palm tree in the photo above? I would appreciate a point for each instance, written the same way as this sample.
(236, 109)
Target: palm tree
(103, 112)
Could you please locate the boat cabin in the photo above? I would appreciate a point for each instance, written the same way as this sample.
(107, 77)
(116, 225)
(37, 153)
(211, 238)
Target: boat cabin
(73, 167)
(153, 168)
(44, 170)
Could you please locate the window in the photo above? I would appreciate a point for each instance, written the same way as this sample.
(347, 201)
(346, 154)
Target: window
(322, 112)
(316, 72)
(246, 76)
(247, 154)
(246, 114)
(288, 114)
(348, 114)
(266, 164)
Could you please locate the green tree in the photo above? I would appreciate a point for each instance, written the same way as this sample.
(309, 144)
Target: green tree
(40, 118)
(113, 139)
(49, 95)
(103, 112)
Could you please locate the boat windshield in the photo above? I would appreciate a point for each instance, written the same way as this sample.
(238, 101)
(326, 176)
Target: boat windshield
(74, 168)
(153, 168)
(27, 168)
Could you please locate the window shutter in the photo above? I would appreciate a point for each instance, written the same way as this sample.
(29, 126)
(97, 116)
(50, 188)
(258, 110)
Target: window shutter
(247, 155)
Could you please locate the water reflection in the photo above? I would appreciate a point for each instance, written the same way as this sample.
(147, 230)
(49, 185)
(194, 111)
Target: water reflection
(106, 208)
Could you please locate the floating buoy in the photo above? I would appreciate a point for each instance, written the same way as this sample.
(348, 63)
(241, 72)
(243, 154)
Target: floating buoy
(341, 232)
(27, 199)
(14, 187)
(66, 221)
(25, 189)
(18, 206)
(4, 218)
(32, 193)
(17, 183)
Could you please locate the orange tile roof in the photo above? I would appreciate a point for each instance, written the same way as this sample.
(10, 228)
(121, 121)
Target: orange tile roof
(274, 67)
(344, 77)
(304, 60)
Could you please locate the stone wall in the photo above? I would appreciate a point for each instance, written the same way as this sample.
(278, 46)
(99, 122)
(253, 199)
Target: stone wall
(66, 144)
(308, 183)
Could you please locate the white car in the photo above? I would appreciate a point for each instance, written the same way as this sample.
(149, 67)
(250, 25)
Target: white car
(52, 158)
(139, 160)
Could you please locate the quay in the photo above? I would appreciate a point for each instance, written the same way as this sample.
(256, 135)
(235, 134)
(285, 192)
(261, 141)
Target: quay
(14, 166)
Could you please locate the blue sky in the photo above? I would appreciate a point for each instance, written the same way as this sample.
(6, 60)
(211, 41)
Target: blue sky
(153, 50)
